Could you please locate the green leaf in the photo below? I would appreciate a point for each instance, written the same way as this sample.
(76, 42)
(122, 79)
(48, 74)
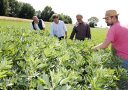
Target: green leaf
(40, 87)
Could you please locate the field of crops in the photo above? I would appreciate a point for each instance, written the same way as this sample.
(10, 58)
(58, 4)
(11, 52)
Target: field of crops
(31, 60)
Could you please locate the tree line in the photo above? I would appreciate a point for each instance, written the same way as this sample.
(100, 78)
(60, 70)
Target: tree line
(13, 8)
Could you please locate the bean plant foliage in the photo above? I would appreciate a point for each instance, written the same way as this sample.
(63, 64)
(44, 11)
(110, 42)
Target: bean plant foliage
(31, 60)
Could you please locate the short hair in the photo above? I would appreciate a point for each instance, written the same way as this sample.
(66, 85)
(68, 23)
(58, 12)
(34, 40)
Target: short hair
(55, 16)
(79, 15)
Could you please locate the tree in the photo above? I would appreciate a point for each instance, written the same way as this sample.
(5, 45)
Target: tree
(47, 13)
(92, 24)
(93, 21)
(3, 7)
(67, 19)
(14, 8)
(27, 11)
(38, 14)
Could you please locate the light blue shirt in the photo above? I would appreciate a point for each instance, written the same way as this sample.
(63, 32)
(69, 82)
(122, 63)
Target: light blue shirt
(58, 29)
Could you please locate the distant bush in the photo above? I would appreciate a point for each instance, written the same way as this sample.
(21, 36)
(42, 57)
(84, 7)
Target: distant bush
(67, 19)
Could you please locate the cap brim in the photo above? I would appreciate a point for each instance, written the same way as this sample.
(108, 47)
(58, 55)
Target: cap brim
(105, 17)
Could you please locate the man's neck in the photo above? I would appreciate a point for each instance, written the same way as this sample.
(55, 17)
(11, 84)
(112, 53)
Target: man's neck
(80, 22)
(115, 22)
(57, 22)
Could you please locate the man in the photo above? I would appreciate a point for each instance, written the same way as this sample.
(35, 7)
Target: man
(81, 29)
(117, 36)
(37, 24)
(58, 28)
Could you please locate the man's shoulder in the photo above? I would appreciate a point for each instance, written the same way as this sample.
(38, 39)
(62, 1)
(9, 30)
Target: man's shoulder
(32, 22)
(120, 26)
(123, 25)
(41, 20)
(85, 23)
(116, 26)
(52, 23)
(60, 21)
(77, 24)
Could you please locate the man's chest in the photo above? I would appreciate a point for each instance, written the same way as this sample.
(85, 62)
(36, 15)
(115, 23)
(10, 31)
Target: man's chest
(57, 27)
(81, 28)
(36, 26)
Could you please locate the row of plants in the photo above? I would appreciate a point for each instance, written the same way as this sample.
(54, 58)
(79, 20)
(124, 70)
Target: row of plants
(31, 60)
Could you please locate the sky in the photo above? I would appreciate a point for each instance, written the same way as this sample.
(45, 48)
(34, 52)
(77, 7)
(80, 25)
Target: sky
(87, 8)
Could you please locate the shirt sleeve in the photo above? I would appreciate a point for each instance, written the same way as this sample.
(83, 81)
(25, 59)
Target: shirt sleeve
(64, 26)
(31, 26)
(111, 35)
(88, 33)
(73, 33)
(43, 24)
(51, 32)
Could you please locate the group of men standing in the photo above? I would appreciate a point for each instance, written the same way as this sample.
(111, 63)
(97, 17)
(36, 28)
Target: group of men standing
(81, 30)
(117, 34)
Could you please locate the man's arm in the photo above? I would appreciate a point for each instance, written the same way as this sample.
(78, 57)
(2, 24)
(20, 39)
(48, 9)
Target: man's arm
(109, 39)
(43, 24)
(66, 35)
(73, 33)
(88, 33)
(65, 29)
(103, 45)
(31, 26)
(51, 31)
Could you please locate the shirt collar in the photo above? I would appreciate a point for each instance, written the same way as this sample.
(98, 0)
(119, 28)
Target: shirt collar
(58, 22)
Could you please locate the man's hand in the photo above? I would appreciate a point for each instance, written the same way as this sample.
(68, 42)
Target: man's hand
(65, 36)
(95, 49)
(102, 45)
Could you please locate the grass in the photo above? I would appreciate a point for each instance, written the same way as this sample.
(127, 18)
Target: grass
(98, 34)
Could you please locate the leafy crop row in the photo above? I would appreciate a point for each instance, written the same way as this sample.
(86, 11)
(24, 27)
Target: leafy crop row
(32, 60)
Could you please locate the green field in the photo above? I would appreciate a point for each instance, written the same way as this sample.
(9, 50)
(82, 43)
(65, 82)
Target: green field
(31, 60)
(98, 34)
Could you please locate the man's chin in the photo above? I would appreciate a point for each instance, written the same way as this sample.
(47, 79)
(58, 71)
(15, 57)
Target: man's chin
(108, 24)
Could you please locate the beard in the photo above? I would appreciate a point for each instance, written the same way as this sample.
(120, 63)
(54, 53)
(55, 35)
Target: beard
(109, 24)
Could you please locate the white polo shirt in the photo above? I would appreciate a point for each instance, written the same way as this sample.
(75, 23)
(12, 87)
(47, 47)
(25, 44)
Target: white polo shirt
(58, 29)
